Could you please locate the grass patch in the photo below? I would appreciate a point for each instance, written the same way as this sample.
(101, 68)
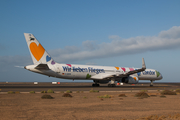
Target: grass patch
(77, 91)
(62, 92)
(92, 91)
(66, 95)
(11, 92)
(44, 91)
(82, 91)
(50, 91)
(104, 96)
(17, 92)
(168, 92)
(32, 92)
(122, 95)
(143, 90)
(84, 97)
(47, 97)
(142, 95)
(68, 91)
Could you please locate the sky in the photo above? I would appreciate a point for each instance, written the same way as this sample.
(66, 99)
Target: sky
(93, 32)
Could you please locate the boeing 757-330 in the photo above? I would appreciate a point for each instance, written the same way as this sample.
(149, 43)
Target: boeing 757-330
(44, 64)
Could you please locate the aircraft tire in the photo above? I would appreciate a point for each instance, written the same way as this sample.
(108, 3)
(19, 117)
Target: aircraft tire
(95, 85)
(111, 85)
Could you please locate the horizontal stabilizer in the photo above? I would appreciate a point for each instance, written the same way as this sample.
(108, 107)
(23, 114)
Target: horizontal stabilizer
(42, 67)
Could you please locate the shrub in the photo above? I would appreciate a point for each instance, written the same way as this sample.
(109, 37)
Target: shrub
(11, 92)
(66, 95)
(84, 97)
(17, 92)
(62, 92)
(32, 92)
(168, 92)
(142, 95)
(44, 91)
(153, 95)
(77, 91)
(91, 91)
(47, 97)
(82, 91)
(178, 90)
(68, 91)
(122, 95)
(50, 91)
(162, 96)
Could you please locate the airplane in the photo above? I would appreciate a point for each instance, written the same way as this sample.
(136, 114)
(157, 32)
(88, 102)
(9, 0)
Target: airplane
(44, 64)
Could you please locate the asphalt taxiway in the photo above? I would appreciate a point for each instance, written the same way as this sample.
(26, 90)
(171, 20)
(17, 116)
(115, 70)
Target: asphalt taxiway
(74, 86)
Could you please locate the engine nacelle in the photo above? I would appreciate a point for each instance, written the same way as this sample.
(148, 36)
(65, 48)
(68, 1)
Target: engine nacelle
(101, 81)
(130, 80)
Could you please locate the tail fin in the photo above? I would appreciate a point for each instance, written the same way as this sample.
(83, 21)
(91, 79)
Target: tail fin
(38, 53)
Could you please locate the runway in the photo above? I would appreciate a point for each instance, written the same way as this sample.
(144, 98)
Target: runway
(73, 86)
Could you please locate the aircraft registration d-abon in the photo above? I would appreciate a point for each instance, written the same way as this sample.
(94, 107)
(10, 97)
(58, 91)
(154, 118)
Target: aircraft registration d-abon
(44, 64)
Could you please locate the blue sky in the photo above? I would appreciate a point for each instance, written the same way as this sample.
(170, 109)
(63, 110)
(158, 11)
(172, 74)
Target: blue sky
(100, 32)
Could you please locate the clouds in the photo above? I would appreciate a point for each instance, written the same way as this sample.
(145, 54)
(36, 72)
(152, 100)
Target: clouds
(174, 33)
(169, 39)
(89, 45)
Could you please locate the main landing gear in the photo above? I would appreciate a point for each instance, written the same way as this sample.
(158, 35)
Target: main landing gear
(112, 84)
(95, 84)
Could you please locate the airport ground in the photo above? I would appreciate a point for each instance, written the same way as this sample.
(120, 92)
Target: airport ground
(74, 86)
(87, 106)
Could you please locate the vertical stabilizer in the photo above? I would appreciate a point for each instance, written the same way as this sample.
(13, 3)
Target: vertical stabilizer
(38, 53)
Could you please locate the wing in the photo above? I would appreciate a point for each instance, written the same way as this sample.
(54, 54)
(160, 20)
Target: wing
(101, 76)
(115, 75)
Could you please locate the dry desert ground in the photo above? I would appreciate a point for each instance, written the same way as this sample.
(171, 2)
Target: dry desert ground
(87, 106)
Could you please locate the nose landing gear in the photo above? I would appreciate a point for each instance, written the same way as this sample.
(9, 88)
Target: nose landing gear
(151, 85)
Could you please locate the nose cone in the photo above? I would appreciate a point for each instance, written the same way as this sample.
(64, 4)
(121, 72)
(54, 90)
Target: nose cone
(160, 76)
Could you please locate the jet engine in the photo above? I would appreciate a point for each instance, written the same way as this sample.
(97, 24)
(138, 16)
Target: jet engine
(101, 81)
(130, 80)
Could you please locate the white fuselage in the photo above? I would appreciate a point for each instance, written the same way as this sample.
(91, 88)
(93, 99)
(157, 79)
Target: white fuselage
(82, 72)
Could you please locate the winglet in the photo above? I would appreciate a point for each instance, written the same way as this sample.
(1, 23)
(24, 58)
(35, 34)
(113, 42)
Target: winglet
(143, 64)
